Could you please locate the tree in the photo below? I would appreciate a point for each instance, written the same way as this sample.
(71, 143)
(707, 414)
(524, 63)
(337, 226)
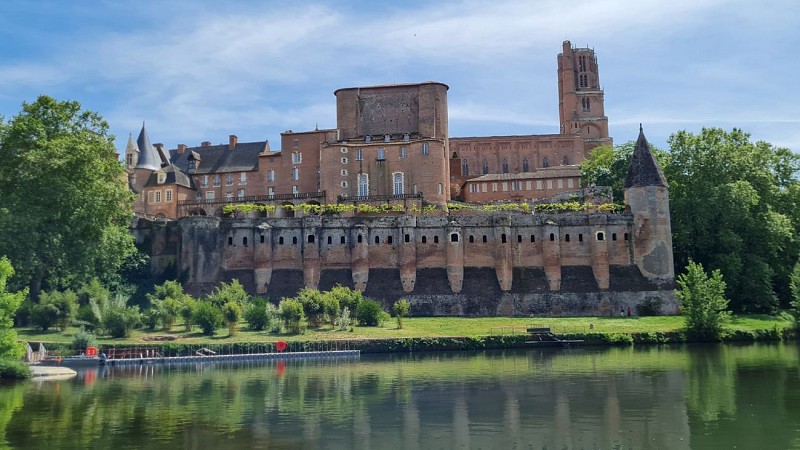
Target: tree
(733, 208)
(229, 292)
(702, 300)
(64, 305)
(346, 297)
(401, 308)
(291, 312)
(608, 166)
(313, 305)
(370, 313)
(794, 286)
(117, 318)
(167, 300)
(9, 302)
(258, 314)
(63, 196)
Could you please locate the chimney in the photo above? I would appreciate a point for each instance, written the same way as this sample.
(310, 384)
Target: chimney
(205, 144)
(232, 140)
(181, 148)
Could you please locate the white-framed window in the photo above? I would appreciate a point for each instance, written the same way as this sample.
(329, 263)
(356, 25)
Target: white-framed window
(398, 183)
(344, 160)
(538, 184)
(295, 174)
(228, 196)
(343, 184)
(270, 176)
(151, 197)
(240, 194)
(494, 187)
(363, 185)
(295, 190)
(210, 195)
(168, 196)
(381, 153)
(270, 191)
(343, 149)
(204, 181)
(243, 178)
(297, 158)
(570, 183)
(403, 152)
(560, 183)
(162, 177)
(344, 172)
(228, 179)
(549, 184)
(425, 149)
(158, 196)
(359, 154)
(484, 187)
(528, 185)
(216, 180)
(473, 187)
(505, 186)
(414, 189)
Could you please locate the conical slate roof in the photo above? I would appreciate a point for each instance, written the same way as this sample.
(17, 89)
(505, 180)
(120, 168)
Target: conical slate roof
(148, 155)
(131, 148)
(644, 169)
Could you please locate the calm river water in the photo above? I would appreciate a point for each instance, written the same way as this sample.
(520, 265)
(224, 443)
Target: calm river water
(580, 398)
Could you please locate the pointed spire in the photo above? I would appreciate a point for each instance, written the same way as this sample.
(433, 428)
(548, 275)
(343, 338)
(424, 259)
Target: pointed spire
(131, 147)
(644, 169)
(148, 155)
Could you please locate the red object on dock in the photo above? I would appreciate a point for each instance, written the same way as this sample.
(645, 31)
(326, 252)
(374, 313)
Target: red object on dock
(280, 346)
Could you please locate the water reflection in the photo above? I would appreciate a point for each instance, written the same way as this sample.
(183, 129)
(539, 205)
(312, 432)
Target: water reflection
(692, 397)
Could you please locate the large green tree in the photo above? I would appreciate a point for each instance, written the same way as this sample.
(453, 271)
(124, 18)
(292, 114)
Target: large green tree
(731, 202)
(9, 302)
(608, 166)
(64, 202)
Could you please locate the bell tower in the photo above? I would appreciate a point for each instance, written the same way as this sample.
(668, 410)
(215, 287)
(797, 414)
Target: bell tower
(580, 98)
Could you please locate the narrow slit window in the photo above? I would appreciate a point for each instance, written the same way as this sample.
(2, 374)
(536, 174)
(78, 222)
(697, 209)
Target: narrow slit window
(436, 239)
(484, 239)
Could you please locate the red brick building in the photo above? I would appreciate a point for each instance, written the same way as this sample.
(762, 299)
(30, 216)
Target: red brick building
(391, 143)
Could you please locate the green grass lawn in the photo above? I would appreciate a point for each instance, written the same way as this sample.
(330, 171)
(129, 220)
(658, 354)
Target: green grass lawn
(426, 327)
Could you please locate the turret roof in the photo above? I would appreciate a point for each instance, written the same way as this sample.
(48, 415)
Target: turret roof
(644, 169)
(148, 155)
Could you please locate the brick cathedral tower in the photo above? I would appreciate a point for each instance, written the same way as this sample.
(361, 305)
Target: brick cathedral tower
(580, 99)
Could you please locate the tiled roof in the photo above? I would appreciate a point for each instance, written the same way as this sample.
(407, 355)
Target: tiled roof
(550, 172)
(219, 159)
(644, 169)
(174, 176)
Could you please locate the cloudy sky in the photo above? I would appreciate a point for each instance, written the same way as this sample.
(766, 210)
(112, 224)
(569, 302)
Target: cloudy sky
(197, 71)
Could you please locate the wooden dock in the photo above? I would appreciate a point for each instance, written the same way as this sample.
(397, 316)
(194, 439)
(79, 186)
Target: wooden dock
(228, 358)
(543, 337)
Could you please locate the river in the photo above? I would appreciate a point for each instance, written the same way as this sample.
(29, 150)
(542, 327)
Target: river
(694, 396)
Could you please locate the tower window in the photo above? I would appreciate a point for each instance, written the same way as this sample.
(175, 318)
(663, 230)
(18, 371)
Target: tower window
(566, 237)
(262, 239)
(330, 240)
(407, 238)
(519, 238)
(471, 239)
(280, 240)
(613, 236)
(552, 237)
(436, 239)
(453, 237)
(505, 165)
(485, 167)
(341, 240)
(586, 105)
(425, 149)
(545, 162)
(230, 241)
(294, 240)
(580, 237)
(377, 239)
(484, 239)
(360, 239)
(244, 241)
(424, 240)
(503, 238)
(464, 167)
(533, 238)
(525, 165)
(600, 236)
(389, 240)
(310, 238)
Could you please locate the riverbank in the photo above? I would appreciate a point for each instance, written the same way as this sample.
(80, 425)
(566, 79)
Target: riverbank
(436, 333)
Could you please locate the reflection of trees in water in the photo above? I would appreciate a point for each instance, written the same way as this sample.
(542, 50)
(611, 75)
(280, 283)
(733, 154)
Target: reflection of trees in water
(10, 401)
(711, 384)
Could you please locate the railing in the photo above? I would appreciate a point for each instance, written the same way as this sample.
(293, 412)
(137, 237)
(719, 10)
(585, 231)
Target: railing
(377, 198)
(254, 198)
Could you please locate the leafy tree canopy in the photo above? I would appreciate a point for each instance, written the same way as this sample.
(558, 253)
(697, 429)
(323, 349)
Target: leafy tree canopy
(63, 197)
(9, 302)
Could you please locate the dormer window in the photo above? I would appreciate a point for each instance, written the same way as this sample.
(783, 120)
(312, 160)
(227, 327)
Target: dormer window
(387, 137)
(406, 137)
(367, 139)
(162, 177)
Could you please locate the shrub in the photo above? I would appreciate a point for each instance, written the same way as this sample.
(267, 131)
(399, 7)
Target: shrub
(401, 308)
(346, 297)
(259, 314)
(313, 305)
(186, 312)
(151, 317)
(702, 300)
(232, 313)
(83, 339)
(65, 303)
(291, 312)
(344, 318)
(231, 292)
(119, 319)
(369, 313)
(44, 315)
(14, 370)
(207, 316)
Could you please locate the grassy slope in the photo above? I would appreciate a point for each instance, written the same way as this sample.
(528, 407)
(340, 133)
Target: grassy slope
(430, 327)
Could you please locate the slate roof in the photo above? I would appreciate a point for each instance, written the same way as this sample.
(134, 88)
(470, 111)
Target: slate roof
(219, 159)
(644, 169)
(174, 176)
(148, 155)
(548, 172)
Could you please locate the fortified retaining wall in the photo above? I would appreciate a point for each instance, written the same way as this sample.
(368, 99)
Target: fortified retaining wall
(471, 265)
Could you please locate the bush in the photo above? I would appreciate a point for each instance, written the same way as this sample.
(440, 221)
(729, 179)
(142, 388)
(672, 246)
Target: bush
(313, 305)
(65, 303)
(207, 316)
(44, 315)
(346, 297)
(259, 314)
(232, 292)
(702, 300)
(151, 317)
(291, 312)
(232, 313)
(83, 339)
(14, 370)
(119, 321)
(401, 308)
(186, 312)
(369, 313)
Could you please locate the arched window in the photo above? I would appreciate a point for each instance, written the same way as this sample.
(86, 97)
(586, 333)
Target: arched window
(230, 241)
(586, 105)
(377, 239)
(389, 240)
(330, 240)
(484, 238)
(525, 164)
(566, 237)
(294, 240)
(464, 167)
(485, 167)
(407, 238)
(341, 240)
(580, 237)
(613, 236)
(453, 237)
(360, 239)
(545, 162)
(503, 238)
(626, 236)
(519, 238)
(552, 237)
(280, 240)
(436, 239)
(398, 183)
(471, 239)
(533, 238)
(262, 238)
(505, 165)
(424, 240)
(363, 185)
(600, 236)
(244, 241)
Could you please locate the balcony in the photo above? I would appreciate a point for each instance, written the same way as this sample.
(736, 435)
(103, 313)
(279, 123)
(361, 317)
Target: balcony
(255, 199)
(377, 198)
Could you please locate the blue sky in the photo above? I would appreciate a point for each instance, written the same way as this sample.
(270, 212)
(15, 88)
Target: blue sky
(197, 71)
